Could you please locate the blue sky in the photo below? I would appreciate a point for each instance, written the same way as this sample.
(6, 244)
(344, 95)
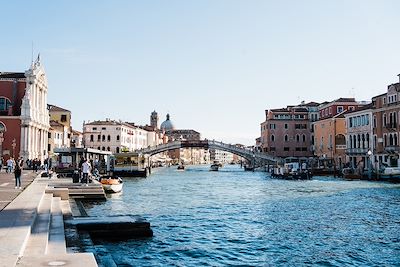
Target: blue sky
(215, 66)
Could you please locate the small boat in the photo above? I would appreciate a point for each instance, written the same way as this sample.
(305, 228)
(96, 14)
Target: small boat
(214, 167)
(181, 167)
(390, 174)
(111, 184)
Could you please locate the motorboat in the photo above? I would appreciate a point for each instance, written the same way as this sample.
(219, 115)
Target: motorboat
(214, 167)
(390, 174)
(112, 184)
(181, 167)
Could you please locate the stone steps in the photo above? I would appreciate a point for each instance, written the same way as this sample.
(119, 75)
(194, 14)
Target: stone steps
(38, 239)
(56, 244)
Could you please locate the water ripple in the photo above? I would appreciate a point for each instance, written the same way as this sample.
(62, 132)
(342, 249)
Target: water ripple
(239, 218)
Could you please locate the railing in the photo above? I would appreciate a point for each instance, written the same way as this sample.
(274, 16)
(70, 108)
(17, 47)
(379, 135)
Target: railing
(392, 148)
(357, 151)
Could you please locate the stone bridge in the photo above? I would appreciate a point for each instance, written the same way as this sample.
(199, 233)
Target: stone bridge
(254, 158)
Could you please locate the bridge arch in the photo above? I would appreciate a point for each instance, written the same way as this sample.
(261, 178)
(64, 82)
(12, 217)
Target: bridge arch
(251, 156)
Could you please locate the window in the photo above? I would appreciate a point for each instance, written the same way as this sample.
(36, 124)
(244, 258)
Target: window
(117, 149)
(286, 138)
(91, 138)
(117, 139)
(108, 148)
(339, 109)
(272, 126)
(98, 137)
(286, 148)
(374, 123)
(108, 139)
(286, 126)
(273, 138)
(304, 137)
(330, 110)
(48, 147)
(103, 138)
(4, 104)
(94, 128)
(297, 138)
(48, 135)
(104, 128)
(298, 148)
(63, 118)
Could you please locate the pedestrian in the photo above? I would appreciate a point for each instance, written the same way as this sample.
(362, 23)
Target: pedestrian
(10, 165)
(86, 167)
(1, 163)
(17, 174)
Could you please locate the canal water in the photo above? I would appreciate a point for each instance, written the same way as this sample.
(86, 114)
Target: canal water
(232, 217)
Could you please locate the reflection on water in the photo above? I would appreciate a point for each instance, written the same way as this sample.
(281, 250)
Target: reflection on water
(231, 217)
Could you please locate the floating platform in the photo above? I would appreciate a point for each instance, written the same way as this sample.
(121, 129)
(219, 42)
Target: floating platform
(113, 227)
(79, 191)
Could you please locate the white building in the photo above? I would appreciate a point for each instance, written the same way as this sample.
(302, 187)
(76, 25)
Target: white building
(221, 156)
(116, 136)
(359, 134)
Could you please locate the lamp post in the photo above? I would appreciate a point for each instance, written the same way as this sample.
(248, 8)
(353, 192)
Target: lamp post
(1, 143)
(369, 164)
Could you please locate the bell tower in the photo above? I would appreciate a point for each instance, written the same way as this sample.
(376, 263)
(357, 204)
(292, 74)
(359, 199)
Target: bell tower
(154, 120)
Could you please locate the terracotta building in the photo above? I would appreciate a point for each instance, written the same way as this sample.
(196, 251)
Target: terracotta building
(24, 118)
(286, 132)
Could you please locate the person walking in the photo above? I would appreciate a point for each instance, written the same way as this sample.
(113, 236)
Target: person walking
(17, 174)
(86, 167)
(10, 165)
(1, 163)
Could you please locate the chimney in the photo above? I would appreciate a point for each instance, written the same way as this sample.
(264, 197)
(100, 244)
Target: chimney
(399, 77)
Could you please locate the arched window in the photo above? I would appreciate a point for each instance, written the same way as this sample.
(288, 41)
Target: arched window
(395, 139)
(4, 104)
(385, 138)
(367, 136)
(117, 140)
(117, 149)
(350, 142)
(108, 148)
(108, 138)
(304, 137)
(390, 140)
(91, 138)
(103, 148)
(358, 141)
(98, 137)
(99, 148)
(297, 138)
(354, 141)
(103, 138)
(286, 138)
(272, 138)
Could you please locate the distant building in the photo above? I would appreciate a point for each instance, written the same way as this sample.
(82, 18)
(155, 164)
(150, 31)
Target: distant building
(221, 156)
(286, 132)
(386, 128)
(333, 108)
(24, 118)
(154, 119)
(114, 136)
(76, 139)
(60, 128)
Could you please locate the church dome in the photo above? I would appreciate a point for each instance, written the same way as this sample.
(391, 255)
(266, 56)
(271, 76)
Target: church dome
(167, 125)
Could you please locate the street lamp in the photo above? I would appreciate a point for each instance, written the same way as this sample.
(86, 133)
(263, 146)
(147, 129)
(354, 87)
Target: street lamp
(369, 164)
(1, 143)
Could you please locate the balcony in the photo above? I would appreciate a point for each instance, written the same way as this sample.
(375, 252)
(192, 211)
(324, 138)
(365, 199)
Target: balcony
(392, 125)
(341, 146)
(392, 149)
(357, 151)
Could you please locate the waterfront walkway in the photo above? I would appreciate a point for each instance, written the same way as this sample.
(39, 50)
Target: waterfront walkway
(32, 225)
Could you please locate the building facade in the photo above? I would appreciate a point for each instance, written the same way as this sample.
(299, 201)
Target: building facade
(114, 136)
(286, 132)
(386, 129)
(359, 135)
(24, 118)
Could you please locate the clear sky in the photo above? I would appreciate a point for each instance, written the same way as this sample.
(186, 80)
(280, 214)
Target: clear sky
(215, 65)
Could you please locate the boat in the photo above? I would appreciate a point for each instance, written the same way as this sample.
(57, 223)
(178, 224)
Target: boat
(181, 167)
(291, 171)
(214, 167)
(390, 174)
(111, 184)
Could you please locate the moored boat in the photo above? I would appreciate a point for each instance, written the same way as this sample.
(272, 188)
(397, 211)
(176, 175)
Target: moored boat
(390, 174)
(111, 184)
(181, 167)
